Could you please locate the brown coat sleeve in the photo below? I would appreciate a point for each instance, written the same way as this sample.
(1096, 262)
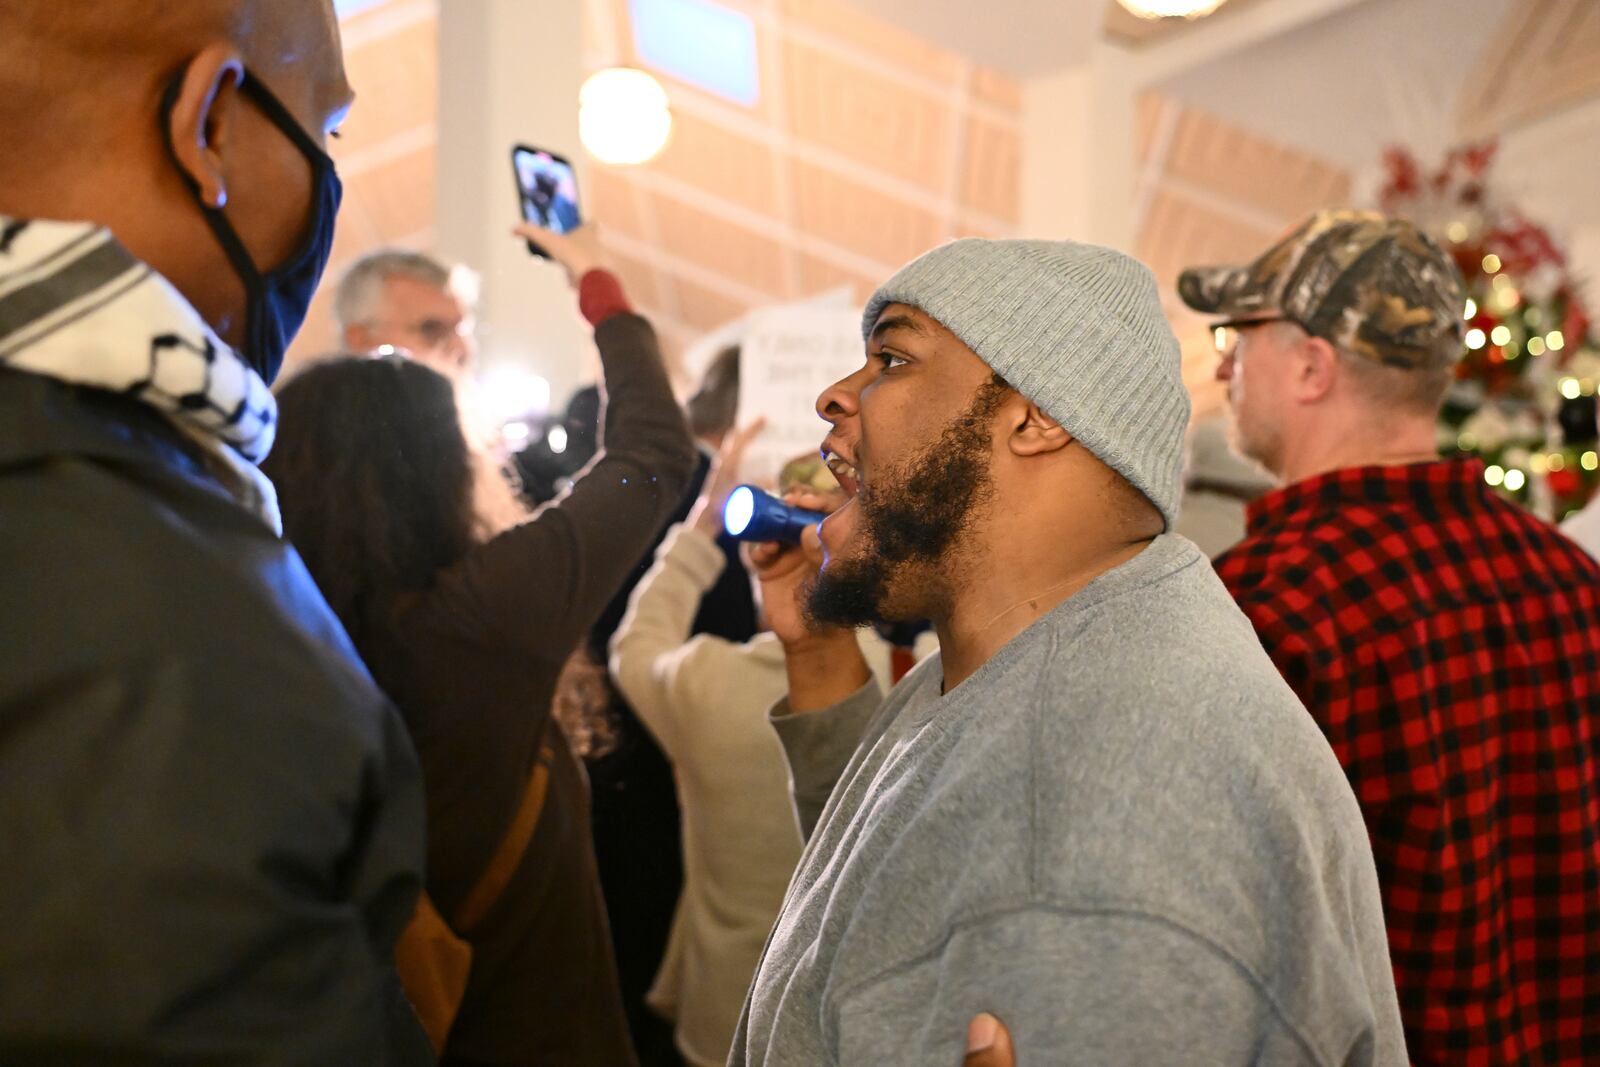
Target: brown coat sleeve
(539, 586)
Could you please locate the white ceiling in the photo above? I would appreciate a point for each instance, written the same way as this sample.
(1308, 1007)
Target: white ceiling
(1344, 86)
(1022, 38)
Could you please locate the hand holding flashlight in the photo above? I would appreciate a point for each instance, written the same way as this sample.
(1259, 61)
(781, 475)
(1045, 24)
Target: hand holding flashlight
(824, 664)
(786, 568)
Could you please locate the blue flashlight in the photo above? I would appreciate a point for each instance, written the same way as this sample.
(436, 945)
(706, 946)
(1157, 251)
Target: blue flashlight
(752, 515)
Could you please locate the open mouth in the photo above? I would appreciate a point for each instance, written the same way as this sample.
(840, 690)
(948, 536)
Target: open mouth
(849, 478)
(837, 528)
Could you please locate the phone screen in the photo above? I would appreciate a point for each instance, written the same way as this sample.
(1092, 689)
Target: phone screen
(547, 189)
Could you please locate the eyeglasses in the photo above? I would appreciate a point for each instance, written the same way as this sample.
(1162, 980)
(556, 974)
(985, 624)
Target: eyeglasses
(435, 333)
(1225, 335)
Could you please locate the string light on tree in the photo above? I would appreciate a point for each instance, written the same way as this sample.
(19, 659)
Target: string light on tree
(1529, 420)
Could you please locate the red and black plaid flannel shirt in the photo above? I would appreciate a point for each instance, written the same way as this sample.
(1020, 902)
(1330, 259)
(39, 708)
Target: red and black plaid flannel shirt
(1448, 643)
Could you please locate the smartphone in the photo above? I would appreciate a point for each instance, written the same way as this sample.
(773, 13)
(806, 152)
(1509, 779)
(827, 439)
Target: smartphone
(547, 190)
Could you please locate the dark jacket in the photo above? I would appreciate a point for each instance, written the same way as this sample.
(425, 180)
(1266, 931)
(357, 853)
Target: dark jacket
(637, 835)
(212, 821)
(472, 663)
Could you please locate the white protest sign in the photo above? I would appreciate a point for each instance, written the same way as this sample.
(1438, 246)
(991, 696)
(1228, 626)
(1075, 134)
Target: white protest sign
(789, 356)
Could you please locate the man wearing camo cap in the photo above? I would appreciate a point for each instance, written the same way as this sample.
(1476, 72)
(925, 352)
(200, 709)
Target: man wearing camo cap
(1446, 641)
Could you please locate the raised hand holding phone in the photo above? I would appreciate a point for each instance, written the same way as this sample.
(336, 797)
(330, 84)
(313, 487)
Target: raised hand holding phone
(577, 252)
(547, 194)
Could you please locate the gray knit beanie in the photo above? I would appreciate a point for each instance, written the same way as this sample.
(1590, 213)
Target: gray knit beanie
(1078, 330)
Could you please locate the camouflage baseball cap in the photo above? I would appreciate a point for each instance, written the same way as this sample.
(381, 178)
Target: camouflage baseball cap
(1369, 284)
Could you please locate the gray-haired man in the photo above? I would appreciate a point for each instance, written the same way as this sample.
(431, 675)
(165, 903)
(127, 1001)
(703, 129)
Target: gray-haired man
(409, 301)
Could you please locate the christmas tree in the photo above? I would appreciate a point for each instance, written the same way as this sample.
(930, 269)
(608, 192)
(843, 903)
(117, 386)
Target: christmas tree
(1524, 396)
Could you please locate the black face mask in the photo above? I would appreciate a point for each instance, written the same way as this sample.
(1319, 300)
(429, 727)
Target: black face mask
(276, 300)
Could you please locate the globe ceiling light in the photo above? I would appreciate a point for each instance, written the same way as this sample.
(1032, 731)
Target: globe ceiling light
(1169, 9)
(623, 116)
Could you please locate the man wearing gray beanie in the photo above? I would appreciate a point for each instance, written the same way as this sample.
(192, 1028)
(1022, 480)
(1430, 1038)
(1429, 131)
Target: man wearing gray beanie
(1098, 828)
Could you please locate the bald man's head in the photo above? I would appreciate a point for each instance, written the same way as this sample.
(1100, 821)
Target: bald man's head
(96, 51)
(82, 85)
(97, 61)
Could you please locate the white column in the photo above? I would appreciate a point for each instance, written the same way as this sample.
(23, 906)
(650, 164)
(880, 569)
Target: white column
(509, 71)
(1077, 151)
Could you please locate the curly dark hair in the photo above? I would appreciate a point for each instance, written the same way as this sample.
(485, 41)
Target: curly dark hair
(375, 480)
(378, 489)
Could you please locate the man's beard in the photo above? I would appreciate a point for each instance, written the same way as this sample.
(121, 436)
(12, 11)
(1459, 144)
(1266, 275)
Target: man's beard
(909, 520)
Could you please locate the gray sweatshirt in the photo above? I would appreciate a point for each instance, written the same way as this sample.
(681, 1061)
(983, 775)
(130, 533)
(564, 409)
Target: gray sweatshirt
(1123, 835)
